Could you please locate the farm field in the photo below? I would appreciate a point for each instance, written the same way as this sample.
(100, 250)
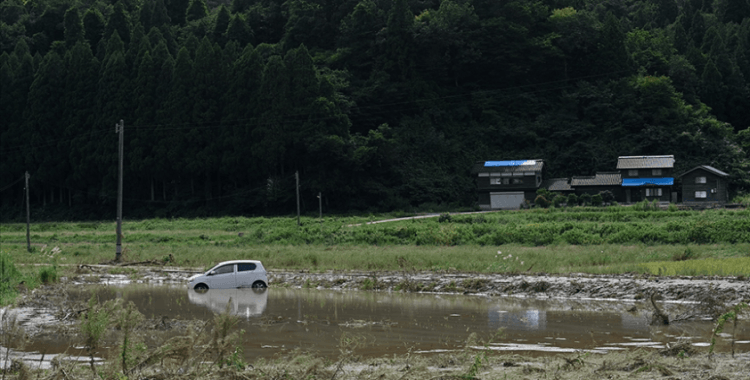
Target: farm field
(558, 241)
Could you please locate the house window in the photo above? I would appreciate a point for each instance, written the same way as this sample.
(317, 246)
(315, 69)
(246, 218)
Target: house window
(700, 179)
(496, 181)
(656, 192)
(517, 181)
(655, 171)
(700, 194)
(506, 181)
(633, 172)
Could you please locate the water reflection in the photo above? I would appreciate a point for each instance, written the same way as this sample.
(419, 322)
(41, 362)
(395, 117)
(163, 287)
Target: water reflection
(250, 302)
(523, 320)
(278, 320)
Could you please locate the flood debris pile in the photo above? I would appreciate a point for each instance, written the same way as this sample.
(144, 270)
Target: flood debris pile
(719, 291)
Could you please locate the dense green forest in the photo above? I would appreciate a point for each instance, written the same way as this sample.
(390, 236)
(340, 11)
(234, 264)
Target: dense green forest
(378, 104)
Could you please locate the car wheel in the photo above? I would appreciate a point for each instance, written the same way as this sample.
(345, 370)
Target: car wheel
(201, 287)
(259, 284)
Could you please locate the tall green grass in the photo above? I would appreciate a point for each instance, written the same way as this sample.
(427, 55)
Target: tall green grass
(578, 239)
(539, 227)
(733, 266)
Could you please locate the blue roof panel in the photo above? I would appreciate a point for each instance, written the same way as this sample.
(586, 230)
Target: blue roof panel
(666, 181)
(509, 163)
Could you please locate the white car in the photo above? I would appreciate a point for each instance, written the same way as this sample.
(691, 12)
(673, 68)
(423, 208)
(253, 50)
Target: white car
(231, 275)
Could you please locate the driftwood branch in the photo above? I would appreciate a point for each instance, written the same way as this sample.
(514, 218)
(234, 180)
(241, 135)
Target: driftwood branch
(659, 317)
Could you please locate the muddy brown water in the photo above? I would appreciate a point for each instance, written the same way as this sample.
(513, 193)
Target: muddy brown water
(374, 324)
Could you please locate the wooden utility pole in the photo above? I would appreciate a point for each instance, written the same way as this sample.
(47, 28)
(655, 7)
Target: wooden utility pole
(119, 128)
(28, 215)
(296, 180)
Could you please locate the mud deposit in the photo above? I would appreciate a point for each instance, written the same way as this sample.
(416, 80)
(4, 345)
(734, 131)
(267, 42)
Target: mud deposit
(435, 320)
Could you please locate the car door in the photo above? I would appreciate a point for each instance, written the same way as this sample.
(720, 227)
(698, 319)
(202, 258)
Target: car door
(246, 275)
(223, 277)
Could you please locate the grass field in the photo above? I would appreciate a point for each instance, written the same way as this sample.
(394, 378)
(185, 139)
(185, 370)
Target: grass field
(589, 240)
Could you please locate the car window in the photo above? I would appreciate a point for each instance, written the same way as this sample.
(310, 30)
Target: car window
(245, 267)
(224, 269)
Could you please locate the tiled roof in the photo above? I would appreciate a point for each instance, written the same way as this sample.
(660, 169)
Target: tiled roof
(509, 166)
(600, 179)
(631, 182)
(645, 162)
(557, 184)
(708, 169)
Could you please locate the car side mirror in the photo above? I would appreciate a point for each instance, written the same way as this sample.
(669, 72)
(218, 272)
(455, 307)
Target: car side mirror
(211, 273)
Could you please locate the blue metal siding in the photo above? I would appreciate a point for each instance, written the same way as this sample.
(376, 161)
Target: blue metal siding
(668, 181)
(509, 163)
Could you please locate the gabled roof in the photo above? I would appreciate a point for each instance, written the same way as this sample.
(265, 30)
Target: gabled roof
(631, 182)
(708, 169)
(557, 184)
(600, 179)
(510, 166)
(645, 162)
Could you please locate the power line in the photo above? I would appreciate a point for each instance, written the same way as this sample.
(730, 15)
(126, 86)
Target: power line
(14, 182)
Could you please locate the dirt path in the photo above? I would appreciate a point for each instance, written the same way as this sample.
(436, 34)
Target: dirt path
(419, 217)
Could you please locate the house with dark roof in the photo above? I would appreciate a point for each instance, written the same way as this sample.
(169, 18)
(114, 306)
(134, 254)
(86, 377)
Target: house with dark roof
(646, 177)
(603, 181)
(559, 185)
(704, 185)
(507, 184)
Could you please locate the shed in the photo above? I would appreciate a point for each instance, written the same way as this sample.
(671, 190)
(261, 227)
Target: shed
(704, 185)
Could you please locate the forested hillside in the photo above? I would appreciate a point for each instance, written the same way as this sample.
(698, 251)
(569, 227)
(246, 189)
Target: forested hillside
(379, 104)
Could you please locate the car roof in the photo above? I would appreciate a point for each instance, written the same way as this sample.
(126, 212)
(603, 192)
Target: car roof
(239, 262)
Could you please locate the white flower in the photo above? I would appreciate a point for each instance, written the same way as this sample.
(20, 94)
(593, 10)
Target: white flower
(509, 255)
(521, 262)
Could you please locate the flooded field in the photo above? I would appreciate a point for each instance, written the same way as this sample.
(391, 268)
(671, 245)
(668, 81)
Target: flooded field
(280, 320)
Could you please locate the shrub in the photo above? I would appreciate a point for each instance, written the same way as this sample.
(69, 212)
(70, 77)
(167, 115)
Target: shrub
(559, 200)
(544, 192)
(572, 200)
(607, 196)
(585, 199)
(48, 275)
(541, 201)
(596, 200)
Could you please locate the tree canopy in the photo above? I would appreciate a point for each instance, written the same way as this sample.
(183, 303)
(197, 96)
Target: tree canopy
(378, 104)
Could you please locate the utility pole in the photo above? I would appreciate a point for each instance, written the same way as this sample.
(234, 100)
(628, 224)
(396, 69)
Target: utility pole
(296, 179)
(28, 214)
(119, 128)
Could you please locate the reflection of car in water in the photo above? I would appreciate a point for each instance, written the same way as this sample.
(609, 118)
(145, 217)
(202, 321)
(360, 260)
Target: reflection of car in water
(244, 302)
(231, 275)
